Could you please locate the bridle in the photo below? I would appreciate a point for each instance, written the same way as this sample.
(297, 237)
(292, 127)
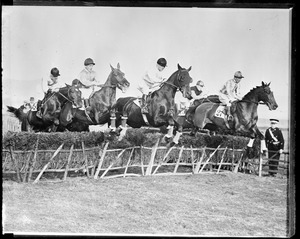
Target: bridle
(178, 81)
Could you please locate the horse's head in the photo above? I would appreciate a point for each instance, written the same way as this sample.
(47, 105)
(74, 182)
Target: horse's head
(118, 79)
(74, 95)
(183, 81)
(267, 96)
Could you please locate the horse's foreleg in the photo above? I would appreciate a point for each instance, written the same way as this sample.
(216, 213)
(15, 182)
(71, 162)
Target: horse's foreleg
(123, 126)
(113, 120)
(171, 124)
(263, 147)
(178, 133)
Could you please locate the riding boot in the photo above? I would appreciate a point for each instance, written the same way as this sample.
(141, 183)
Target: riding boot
(144, 106)
(86, 103)
(38, 114)
(229, 115)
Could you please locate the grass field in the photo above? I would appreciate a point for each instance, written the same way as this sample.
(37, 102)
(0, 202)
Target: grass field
(225, 204)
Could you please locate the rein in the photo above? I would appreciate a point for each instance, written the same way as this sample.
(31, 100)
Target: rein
(177, 78)
(61, 95)
(249, 101)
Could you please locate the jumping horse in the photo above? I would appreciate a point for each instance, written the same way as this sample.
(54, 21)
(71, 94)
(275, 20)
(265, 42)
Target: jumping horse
(101, 102)
(161, 106)
(244, 113)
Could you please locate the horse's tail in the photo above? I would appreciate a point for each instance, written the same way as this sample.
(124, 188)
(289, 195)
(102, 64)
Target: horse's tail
(17, 112)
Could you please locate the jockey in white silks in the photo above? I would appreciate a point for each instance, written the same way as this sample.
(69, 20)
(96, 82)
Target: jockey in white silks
(151, 81)
(49, 85)
(89, 82)
(230, 91)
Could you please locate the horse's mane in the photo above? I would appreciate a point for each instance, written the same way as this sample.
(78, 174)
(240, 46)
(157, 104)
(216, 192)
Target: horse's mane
(251, 92)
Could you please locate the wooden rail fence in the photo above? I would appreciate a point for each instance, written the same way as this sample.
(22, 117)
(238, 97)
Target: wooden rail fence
(101, 162)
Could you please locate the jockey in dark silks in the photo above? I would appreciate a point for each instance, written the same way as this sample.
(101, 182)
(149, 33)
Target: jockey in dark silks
(198, 93)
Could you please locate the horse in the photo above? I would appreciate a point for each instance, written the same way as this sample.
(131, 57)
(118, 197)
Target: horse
(162, 110)
(51, 106)
(21, 113)
(100, 103)
(244, 113)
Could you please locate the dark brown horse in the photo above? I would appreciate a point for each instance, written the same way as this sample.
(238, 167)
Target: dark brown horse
(23, 113)
(53, 103)
(244, 112)
(162, 109)
(100, 103)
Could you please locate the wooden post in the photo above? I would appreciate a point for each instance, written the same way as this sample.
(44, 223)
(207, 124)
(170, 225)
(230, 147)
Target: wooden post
(238, 164)
(200, 161)
(128, 162)
(26, 167)
(192, 159)
(150, 165)
(142, 162)
(221, 160)
(260, 164)
(101, 161)
(232, 161)
(178, 160)
(15, 164)
(45, 167)
(68, 162)
(33, 160)
(86, 160)
(210, 156)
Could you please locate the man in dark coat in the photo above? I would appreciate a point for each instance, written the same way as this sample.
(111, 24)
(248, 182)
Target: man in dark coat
(275, 144)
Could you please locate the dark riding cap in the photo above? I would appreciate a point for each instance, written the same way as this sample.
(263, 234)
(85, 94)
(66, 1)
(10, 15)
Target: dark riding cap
(162, 62)
(274, 121)
(89, 61)
(238, 74)
(55, 72)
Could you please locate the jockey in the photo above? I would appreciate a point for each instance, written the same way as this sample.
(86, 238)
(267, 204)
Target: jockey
(152, 80)
(50, 85)
(87, 77)
(32, 104)
(26, 106)
(197, 92)
(230, 92)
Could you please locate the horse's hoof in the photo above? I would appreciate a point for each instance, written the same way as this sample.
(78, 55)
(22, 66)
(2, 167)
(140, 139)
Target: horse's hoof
(170, 145)
(166, 139)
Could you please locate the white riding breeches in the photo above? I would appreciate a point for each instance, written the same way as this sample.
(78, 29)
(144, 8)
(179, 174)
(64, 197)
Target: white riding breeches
(225, 99)
(87, 92)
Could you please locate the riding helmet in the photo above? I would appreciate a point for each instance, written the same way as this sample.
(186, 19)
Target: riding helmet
(162, 62)
(54, 72)
(238, 74)
(88, 61)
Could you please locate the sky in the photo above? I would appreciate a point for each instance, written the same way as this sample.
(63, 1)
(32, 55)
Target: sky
(216, 42)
